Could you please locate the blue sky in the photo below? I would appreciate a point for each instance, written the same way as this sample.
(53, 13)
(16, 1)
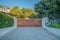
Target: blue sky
(20, 3)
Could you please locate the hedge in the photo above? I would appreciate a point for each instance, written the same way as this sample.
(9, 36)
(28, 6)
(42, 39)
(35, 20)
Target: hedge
(5, 20)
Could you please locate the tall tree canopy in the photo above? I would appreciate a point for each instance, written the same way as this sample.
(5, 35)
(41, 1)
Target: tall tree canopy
(15, 10)
(22, 13)
(50, 8)
(27, 12)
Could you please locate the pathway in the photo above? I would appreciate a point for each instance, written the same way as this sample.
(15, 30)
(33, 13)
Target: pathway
(29, 33)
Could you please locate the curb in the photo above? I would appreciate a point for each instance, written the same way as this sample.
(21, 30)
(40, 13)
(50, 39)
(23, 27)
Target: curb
(3, 31)
(53, 31)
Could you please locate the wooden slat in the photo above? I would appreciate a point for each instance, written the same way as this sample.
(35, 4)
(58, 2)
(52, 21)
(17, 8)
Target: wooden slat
(29, 22)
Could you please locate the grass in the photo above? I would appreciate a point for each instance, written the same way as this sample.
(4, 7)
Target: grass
(54, 25)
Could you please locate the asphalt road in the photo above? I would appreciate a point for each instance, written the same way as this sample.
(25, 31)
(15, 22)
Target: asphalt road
(29, 33)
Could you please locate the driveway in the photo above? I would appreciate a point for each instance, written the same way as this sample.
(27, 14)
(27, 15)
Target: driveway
(29, 33)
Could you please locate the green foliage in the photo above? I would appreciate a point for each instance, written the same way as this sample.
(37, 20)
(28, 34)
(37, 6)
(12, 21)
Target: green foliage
(33, 16)
(54, 10)
(15, 10)
(49, 8)
(12, 15)
(5, 21)
(21, 16)
(54, 25)
(39, 9)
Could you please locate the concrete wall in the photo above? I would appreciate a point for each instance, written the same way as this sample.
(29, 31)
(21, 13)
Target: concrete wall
(54, 31)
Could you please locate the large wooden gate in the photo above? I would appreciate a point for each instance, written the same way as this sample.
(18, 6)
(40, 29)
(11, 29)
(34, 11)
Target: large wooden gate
(29, 22)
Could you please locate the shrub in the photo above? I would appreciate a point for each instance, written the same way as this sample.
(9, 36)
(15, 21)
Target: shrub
(5, 20)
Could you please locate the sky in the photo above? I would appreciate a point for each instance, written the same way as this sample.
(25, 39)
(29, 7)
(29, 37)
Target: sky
(20, 3)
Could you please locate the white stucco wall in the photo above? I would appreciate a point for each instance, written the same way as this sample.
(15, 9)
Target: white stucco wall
(54, 31)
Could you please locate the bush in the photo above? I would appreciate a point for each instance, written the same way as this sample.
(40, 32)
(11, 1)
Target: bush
(5, 20)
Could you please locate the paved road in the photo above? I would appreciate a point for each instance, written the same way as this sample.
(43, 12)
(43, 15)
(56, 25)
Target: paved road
(29, 33)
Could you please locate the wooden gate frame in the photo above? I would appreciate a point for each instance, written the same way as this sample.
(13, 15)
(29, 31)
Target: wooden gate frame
(21, 22)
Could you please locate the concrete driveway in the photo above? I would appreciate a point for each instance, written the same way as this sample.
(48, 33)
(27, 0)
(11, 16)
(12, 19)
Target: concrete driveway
(29, 33)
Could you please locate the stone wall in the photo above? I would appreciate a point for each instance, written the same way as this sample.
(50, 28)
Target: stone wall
(29, 22)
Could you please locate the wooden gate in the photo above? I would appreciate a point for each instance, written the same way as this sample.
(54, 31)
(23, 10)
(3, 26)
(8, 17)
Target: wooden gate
(29, 22)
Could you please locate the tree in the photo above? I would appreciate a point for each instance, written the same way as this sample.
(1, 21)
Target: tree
(16, 10)
(33, 16)
(27, 12)
(49, 8)
(22, 13)
(39, 8)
